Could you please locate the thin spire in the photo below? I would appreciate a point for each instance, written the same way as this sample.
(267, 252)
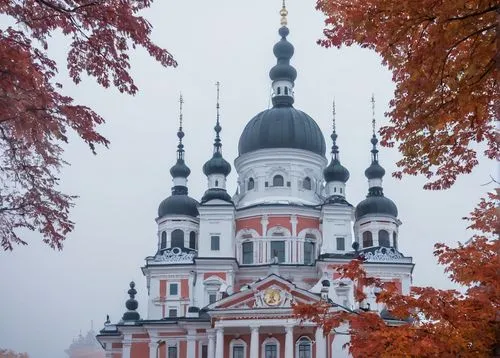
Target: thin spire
(283, 13)
(180, 133)
(335, 148)
(217, 128)
(374, 139)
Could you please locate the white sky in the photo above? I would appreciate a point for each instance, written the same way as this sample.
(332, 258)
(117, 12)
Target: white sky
(47, 297)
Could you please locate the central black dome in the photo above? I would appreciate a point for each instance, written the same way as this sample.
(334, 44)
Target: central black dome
(282, 127)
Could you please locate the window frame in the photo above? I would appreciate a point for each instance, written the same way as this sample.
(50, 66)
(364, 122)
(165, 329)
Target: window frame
(368, 239)
(277, 179)
(300, 342)
(272, 250)
(163, 240)
(307, 183)
(311, 255)
(250, 184)
(237, 342)
(176, 352)
(176, 285)
(386, 239)
(340, 239)
(172, 238)
(214, 237)
(251, 252)
(267, 342)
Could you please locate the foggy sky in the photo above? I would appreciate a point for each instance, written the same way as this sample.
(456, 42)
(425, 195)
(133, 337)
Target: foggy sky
(47, 297)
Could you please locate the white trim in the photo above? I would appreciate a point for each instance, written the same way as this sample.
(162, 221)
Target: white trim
(270, 340)
(297, 342)
(237, 342)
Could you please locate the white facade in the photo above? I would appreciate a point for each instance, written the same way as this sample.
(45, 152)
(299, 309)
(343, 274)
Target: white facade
(226, 271)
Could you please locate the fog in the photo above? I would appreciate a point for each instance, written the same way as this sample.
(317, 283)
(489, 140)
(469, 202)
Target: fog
(47, 297)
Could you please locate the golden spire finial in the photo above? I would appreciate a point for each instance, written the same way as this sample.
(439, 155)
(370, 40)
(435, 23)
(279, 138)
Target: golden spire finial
(283, 13)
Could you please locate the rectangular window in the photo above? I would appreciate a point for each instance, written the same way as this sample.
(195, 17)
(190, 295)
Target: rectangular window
(340, 243)
(271, 351)
(172, 312)
(204, 351)
(308, 252)
(173, 289)
(172, 352)
(247, 253)
(215, 243)
(212, 297)
(238, 352)
(278, 250)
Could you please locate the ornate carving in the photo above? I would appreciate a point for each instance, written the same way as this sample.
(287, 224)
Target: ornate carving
(175, 255)
(273, 297)
(386, 254)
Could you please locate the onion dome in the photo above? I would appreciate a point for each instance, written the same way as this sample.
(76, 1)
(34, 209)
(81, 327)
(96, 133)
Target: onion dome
(335, 171)
(282, 126)
(375, 203)
(375, 170)
(179, 203)
(217, 165)
(131, 304)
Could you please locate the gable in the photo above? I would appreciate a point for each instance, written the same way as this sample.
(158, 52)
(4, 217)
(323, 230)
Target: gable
(272, 292)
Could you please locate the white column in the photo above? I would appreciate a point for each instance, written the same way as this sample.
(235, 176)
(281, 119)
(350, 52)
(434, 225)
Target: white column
(254, 342)
(191, 343)
(152, 349)
(211, 343)
(320, 343)
(289, 342)
(126, 349)
(219, 344)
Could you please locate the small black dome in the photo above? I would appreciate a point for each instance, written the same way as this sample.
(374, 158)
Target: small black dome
(178, 205)
(375, 171)
(180, 169)
(216, 193)
(282, 127)
(217, 165)
(376, 204)
(336, 172)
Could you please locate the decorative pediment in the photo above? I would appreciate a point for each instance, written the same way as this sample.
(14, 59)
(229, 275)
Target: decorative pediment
(175, 255)
(271, 292)
(385, 254)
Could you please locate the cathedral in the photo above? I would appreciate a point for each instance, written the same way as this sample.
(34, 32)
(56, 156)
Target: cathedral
(228, 269)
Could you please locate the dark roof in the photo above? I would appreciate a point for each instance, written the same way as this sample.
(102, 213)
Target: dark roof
(336, 172)
(374, 171)
(216, 193)
(217, 165)
(376, 203)
(337, 199)
(180, 169)
(178, 204)
(282, 127)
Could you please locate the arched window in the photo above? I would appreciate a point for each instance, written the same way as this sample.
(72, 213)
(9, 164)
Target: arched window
(306, 183)
(367, 239)
(237, 348)
(247, 253)
(286, 90)
(270, 348)
(192, 240)
(177, 238)
(278, 180)
(163, 243)
(303, 348)
(395, 240)
(383, 239)
(216, 183)
(279, 90)
(251, 184)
